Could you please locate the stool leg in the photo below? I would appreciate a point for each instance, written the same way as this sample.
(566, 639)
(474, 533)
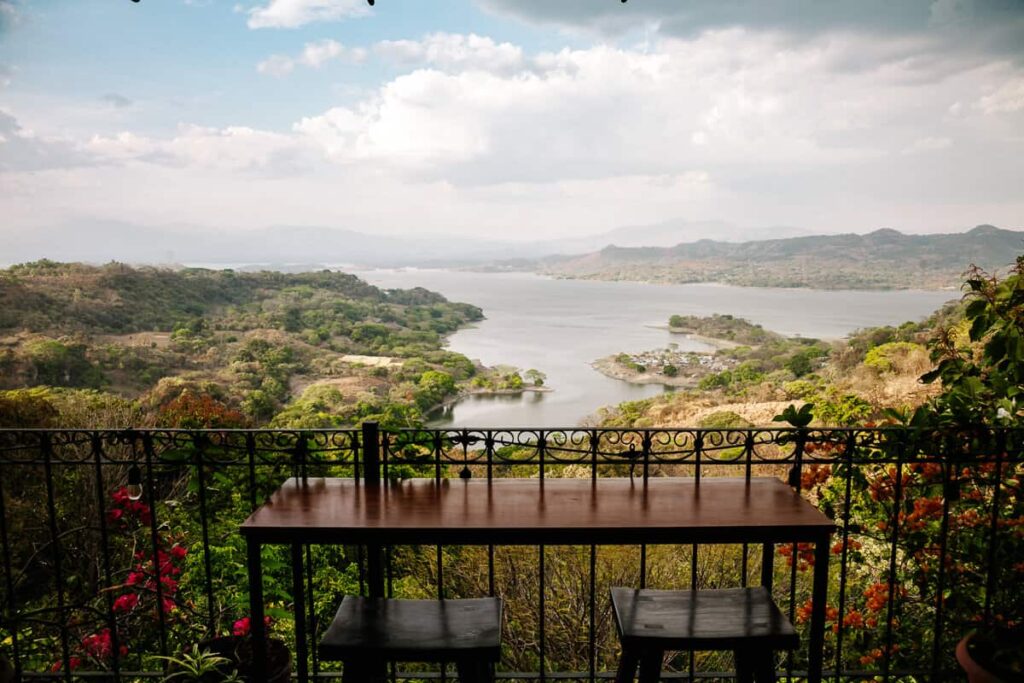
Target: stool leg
(764, 666)
(353, 671)
(744, 667)
(650, 666)
(628, 662)
(475, 671)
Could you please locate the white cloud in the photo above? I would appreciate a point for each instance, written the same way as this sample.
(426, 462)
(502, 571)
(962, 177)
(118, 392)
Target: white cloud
(313, 55)
(475, 135)
(1009, 97)
(451, 51)
(295, 13)
(23, 149)
(927, 145)
(234, 148)
(726, 98)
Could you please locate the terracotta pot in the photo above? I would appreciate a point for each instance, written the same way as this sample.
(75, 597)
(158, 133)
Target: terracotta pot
(238, 649)
(975, 672)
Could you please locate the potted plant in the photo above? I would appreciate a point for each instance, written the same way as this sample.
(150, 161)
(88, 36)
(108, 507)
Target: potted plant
(237, 651)
(200, 665)
(994, 655)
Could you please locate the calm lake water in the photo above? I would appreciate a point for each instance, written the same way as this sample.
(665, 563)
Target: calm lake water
(560, 326)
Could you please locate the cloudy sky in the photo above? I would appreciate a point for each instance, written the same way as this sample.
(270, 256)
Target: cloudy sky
(512, 118)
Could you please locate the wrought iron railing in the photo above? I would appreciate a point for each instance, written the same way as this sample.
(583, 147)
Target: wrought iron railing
(98, 582)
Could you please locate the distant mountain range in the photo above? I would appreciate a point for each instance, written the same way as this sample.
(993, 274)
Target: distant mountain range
(96, 241)
(671, 251)
(881, 259)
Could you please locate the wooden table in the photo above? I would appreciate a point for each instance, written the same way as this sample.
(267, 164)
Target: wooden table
(605, 511)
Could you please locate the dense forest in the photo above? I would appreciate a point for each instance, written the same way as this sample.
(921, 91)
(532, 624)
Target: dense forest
(157, 346)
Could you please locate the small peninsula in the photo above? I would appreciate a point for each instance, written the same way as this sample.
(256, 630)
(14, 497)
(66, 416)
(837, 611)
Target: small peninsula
(740, 347)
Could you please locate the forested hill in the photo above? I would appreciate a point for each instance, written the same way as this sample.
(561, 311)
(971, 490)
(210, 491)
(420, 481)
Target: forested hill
(116, 345)
(116, 298)
(882, 259)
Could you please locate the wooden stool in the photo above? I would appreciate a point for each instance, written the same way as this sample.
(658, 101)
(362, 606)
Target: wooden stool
(367, 633)
(744, 620)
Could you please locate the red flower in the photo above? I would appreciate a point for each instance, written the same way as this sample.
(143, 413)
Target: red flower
(837, 548)
(126, 602)
(179, 552)
(98, 644)
(73, 663)
(241, 627)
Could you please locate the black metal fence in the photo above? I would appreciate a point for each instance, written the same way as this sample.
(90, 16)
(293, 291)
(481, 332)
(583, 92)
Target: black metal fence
(122, 546)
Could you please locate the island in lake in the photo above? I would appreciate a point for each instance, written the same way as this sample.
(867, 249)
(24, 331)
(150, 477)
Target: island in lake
(741, 348)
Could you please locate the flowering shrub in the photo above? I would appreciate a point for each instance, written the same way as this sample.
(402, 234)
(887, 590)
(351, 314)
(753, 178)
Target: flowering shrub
(933, 536)
(138, 592)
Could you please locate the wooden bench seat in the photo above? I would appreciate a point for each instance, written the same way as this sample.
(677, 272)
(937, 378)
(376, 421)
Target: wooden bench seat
(367, 633)
(744, 620)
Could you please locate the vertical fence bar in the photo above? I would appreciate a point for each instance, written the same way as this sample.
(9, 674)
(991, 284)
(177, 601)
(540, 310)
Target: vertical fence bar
(356, 461)
(371, 454)
(250, 457)
(371, 479)
(147, 449)
(541, 451)
(11, 602)
(940, 586)
(592, 617)
(540, 616)
(851, 442)
(796, 481)
(891, 601)
(645, 454)
(200, 447)
(595, 445)
(46, 447)
(748, 450)
(698, 452)
(489, 454)
(993, 535)
(299, 607)
(101, 514)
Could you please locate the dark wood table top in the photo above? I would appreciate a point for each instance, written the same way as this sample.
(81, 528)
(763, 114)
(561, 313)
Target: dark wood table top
(532, 512)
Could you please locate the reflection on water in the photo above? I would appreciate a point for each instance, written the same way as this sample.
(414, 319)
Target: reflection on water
(445, 415)
(561, 326)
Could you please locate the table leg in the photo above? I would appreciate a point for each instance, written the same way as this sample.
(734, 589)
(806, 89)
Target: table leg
(818, 598)
(767, 565)
(375, 672)
(257, 629)
(375, 571)
(299, 595)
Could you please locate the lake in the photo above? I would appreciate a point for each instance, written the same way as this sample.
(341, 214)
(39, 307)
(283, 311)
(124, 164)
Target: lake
(560, 326)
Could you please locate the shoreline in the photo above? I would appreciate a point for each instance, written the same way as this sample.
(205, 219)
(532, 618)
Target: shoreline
(610, 368)
(713, 342)
(486, 392)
